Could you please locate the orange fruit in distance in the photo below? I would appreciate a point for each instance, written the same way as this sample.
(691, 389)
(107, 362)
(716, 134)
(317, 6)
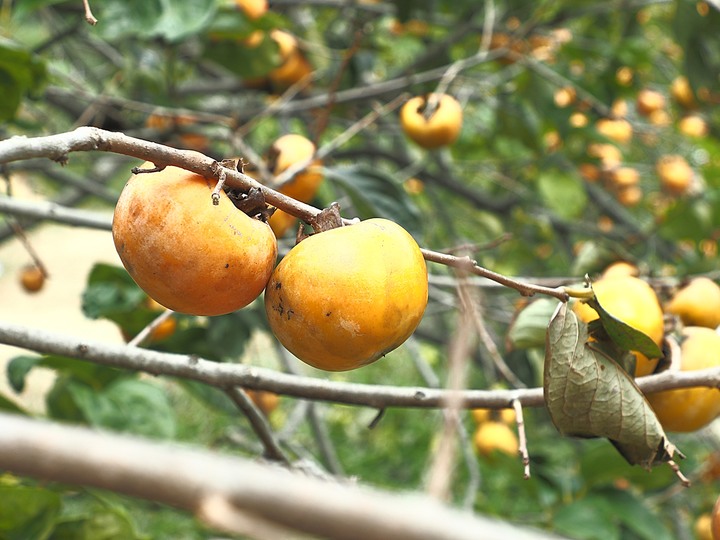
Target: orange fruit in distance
(619, 130)
(186, 253)
(285, 152)
(689, 409)
(293, 64)
(342, 298)
(254, 9)
(634, 302)
(266, 401)
(675, 174)
(716, 520)
(32, 278)
(649, 101)
(703, 527)
(693, 125)
(620, 269)
(493, 437)
(698, 303)
(682, 92)
(441, 129)
(507, 416)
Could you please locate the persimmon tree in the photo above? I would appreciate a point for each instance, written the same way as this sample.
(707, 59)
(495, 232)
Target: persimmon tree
(586, 135)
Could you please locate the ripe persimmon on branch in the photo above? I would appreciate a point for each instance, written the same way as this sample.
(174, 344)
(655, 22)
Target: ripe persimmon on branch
(58, 147)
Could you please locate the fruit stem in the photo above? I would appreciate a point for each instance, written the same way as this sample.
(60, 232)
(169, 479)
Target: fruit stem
(585, 293)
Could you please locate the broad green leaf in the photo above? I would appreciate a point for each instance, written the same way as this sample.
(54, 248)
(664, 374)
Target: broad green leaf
(18, 368)
(94, 375)
(632, 511)
(529, 327)
(110, 293)
(590, 518)
(9, 406)
(623, 335)
(602, 466)
(27, 512)
(60, 402)
(21, 74)
(375, 193)
(563, 193)
(130, 405)
(101, 524)
(245, 61)
(172, 21)
(589, 395)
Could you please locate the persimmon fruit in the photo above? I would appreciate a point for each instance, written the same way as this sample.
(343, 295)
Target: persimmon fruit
(506, 416)
(689, 409)
(443, 126)
(634, 302)
(649, 101)
(343, 298)
(266, 401)
(294, 66)
(494, 436)
(698, 303)
(186, 253)
(285, 152)
(675, 174)
(253, 9)
(32, 278)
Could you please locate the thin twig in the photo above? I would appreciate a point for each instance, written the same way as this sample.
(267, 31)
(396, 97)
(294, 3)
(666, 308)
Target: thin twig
(145, 332)
(467, 264)
(89, 17)
(522, 437)
(456, 68)
(441, 469)
(259, 424)
(317, 422)
(25, 241)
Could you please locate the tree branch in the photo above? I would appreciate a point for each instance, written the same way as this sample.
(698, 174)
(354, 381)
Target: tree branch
(189, 478)
(223, 375)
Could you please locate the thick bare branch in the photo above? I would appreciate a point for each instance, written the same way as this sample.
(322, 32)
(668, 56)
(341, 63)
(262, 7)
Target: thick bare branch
(188, 478)
(87, 139)
(223, 375)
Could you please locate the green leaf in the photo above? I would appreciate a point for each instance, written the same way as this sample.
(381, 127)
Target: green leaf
(18, 368)
(21, 74)
(209, 395)
(130, 405)
(9, 406)
(590, 518)
(27, 512)
(633, 513)
(172, 21)
(60, 402)
(529, 327)
(623, 335)
(94, 375)
(589, 395)
(375, 193)
(563, 193)
(602, 466)
(243, 60)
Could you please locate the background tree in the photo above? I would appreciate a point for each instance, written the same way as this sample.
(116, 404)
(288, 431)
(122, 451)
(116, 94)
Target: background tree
(589, 136)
